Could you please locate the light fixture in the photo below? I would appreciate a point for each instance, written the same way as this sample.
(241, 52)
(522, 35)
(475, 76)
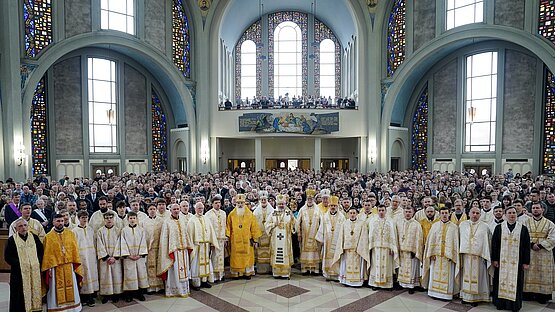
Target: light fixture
(471, 113)
(20, 154)
(111, 115)
(372, 154)
(204, 152)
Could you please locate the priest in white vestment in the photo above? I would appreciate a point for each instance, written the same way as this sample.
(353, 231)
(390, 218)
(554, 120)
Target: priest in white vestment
(327, 236)
(411, 250)
(204, 240)
(475, 265)
(87, 251)
(218, 219)
(153, 228)
(263, 212)
(280, 228)
(441, 258)
(109, 264)
(352, 250)
(383, 248)
(308, 222)
(134, 249)
(173, 254)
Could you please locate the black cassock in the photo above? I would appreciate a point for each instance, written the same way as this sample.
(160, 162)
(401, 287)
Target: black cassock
(17, 299)
(523, 258)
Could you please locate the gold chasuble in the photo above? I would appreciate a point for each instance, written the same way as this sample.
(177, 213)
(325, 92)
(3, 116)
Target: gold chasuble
(280, 227)
(61, 254)
(509, 258)
(458, 221)
(539, 277)
(384, 255)
(34, 227)
(30, 272)
(327, 235)
(352, 252)
(308, 222)
(153, 227)
(411, 252)
(242, 230)
(441, 261)
(426, 225)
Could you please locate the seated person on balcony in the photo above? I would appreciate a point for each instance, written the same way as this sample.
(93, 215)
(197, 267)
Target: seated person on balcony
(227, 104)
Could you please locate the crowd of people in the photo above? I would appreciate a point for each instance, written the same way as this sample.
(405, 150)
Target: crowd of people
(481, 239)
(285, 101)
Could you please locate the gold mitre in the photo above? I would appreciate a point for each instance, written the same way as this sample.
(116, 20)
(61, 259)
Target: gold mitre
(280, 198)
(240, 198)
(310, 193)
(334, 200)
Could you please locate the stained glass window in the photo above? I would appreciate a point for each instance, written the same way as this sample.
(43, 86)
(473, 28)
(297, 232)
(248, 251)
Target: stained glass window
(321, 33)
(159, 135)
(181, 40)
(546, 21)
(396, 37)
(548, 166)
(39, 129)
(420, 133)
(253, 33)
(37, 16)
(301, 20)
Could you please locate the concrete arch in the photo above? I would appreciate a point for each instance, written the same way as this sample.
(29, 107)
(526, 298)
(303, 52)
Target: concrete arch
(409, 74)
(159, 65)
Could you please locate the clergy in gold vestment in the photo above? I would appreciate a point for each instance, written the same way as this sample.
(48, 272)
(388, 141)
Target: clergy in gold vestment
(368, 210)
(133, 251)
(204, 242)
(62, 266)
(352, 250)
(109, 264)
(33, 225)
(280, 227)
(173, 254)
(538, 280)
(243, 231)
(327, 236)
(308, 222)
(441, 258)
(87, 251)
(262, 212)
(24, 253)
(217, 218)
(384, 256)
(153, 227)
(411, 250)
(325, 194)
(458, 215)
(475, 258)
(510, 256)
(430, 217)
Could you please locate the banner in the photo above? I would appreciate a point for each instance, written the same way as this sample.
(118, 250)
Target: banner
(289, 123)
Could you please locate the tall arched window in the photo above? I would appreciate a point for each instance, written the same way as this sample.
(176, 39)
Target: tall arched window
(159, 135)
(37, 17)
(546, 20)
(181, 45)
(396, 37)
(548, 164)
(288, 60)
(327, 68)
(248, 70)
(102, 99)
(118, 15)
(300, 53)
(39, 129)
(326, 57)
(420, 132)
(252, 34)
(481, 102)
(463, 12)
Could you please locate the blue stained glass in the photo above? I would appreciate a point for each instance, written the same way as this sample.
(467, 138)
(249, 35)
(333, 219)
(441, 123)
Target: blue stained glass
(396, 37)
(39, 130)
(181, 40)
(548, 164)
(420, 133)
(37, 18)
(159, 135)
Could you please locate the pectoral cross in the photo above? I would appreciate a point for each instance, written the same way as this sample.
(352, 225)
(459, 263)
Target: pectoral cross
(352, 232)
(280, 236)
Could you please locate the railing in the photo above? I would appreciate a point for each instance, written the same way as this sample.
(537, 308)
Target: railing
(256, 106)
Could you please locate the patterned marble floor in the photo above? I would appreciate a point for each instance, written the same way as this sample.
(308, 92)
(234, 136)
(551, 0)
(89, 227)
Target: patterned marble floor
(301, 293)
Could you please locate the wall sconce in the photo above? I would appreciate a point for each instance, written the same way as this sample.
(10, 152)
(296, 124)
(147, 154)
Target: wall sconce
(372, 154)
(20, 154)
(204, 153)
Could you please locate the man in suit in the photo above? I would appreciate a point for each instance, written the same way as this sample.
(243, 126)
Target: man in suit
(93, 198)
(42, 214)
(11, 210)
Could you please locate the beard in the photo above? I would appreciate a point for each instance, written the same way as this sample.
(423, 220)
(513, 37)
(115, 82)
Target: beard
(240, 211)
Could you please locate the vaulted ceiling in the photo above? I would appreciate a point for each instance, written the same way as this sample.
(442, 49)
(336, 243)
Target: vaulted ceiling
(242, 13)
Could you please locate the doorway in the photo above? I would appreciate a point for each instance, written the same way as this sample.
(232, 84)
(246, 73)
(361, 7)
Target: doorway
(337, 164)
(292, 164)
(106, 169)
(233, 164)
(395, 163)
(478, 169)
